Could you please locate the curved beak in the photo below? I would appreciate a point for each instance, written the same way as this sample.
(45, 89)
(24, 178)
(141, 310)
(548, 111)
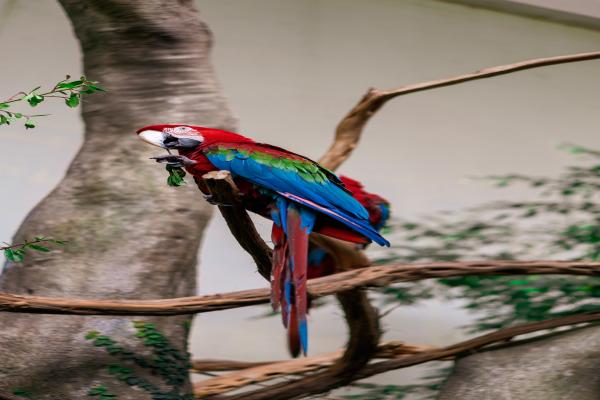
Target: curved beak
(155, 138)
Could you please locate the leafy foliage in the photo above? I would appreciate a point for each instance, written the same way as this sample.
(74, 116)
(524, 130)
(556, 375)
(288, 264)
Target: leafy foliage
(176, 175)
(166, 362)
(69, 90)
(16, 252)
(102, 393)
(562, 221)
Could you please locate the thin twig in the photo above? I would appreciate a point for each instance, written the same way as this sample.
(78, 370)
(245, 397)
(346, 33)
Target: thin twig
(29, 242)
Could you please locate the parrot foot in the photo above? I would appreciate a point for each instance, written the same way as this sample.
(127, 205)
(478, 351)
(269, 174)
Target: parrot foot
(175, 161)
(210, 198)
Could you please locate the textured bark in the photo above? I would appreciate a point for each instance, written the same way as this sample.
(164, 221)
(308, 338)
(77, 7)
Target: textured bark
(561, 367)
(130, 236)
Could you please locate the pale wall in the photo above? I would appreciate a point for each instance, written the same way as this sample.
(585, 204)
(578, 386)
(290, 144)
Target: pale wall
(291, 70)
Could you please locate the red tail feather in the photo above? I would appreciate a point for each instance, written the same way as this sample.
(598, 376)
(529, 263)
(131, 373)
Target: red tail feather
(298, 246)
(279, 261)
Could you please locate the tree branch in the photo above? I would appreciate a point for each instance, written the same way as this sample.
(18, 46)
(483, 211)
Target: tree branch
(477, 343)
(349, 130)
(340, 282)
(250, 373)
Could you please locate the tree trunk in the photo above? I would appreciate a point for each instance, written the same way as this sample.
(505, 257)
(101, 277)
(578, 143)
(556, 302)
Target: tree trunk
(130, 236)
(561, 367)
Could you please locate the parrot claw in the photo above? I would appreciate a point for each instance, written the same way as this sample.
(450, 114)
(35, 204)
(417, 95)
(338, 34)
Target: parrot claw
(209, 198)
(174, 161)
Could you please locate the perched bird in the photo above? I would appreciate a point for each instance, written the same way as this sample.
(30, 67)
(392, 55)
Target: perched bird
(299, 195)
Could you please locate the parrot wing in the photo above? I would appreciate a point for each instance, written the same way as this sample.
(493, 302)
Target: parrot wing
(295, 177)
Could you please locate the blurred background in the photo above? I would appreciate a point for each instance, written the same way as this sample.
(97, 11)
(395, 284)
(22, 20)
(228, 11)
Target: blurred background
(292, 72)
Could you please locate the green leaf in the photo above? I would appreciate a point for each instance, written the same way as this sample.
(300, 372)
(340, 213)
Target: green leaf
(176, 175)
(114, 369)
(4, 106)
(113, 349)
(95, 88)
(13, 255)
(39, 248)
(4, 120)
(73, 100)
(29, 124)
(91, 335)
(90, 88)
(69, 85)
(97, 390)
(33, 99)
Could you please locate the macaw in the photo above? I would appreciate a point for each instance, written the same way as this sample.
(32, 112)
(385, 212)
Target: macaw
(296, 193)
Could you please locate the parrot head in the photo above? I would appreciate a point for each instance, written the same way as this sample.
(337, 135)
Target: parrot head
(178, 137)
(186, 137)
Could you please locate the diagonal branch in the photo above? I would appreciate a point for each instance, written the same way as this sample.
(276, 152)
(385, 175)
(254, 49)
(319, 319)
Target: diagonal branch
(397, 359)
(251, 373)
(340, 282)
(349, 130)
(388, 349)
(478, 342)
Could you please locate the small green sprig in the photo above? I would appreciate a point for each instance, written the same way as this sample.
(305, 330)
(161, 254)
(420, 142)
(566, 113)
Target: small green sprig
(16, 252)
(176, 175)
(70, 91)
(102, 393)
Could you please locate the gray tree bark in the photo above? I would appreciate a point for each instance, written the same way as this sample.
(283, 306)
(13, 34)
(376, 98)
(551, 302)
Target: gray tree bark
(130, 236)
(561, 367)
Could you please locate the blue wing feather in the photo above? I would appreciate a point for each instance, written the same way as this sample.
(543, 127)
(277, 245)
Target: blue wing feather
(327, 195)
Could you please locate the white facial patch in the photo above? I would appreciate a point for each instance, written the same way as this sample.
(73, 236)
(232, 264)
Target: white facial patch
(155, 138)
(184, 132)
